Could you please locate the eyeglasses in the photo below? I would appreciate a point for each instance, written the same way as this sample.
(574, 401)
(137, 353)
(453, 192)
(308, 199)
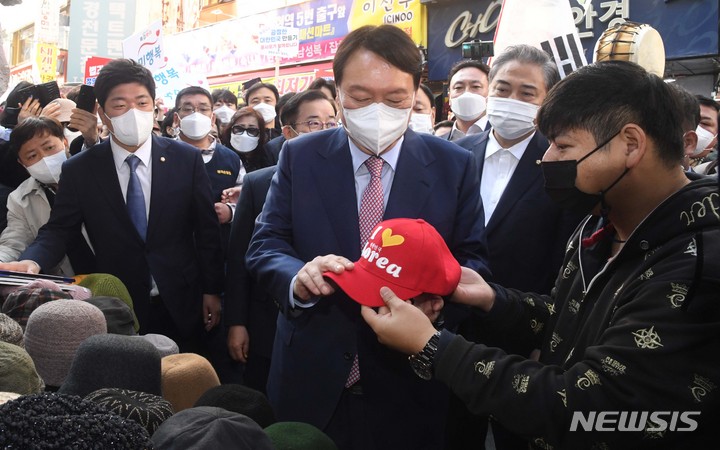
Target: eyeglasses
(187, 110)
(316, 125)
(252, 131)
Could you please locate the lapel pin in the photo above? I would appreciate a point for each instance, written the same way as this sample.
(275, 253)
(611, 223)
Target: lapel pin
(537, 162)
(162, 159)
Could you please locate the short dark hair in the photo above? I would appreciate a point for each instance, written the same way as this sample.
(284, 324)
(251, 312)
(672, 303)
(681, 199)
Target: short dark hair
(429, 93)
(167, 122)
(465, 63)
(245, 111)
(31, 127)
(387, 41)
(122, 71)
(73, 93)
(707, 101)
(689, 107)
(192, 90)
(251, 90)
(601, 98)
(527, 54)
(320, 83)
(224, 95)
(284, 99)
(292, 107)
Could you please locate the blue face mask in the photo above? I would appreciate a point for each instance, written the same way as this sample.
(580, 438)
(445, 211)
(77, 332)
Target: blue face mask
(560, 177)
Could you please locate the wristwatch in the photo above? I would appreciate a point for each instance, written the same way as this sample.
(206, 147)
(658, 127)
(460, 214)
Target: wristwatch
(422, 363)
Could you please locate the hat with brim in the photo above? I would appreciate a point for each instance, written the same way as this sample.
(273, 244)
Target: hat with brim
(407, 255)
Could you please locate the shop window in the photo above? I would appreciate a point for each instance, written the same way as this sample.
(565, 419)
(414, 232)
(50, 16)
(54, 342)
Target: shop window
(23, 45)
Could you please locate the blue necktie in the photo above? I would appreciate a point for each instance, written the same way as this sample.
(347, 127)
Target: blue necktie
(135, 198)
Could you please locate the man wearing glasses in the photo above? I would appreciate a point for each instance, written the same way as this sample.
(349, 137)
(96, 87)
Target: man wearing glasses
(248, 310)
(195, 118)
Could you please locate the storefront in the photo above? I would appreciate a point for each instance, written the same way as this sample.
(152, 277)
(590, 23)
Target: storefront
(689, 29)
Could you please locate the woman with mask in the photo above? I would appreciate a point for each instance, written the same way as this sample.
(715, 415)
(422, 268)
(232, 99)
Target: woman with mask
(246, 135)
(40, 147)
(422, 118)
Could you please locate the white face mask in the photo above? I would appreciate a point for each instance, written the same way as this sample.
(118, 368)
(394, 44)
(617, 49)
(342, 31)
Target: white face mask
(224, 113)
(71, 135)
(510, 118)
(703, 142)
(267, 111)
(47, 170)
(243, 142)
(468, 106)
(377, 125)
(132, 128)
(195, 126)
(421, 123)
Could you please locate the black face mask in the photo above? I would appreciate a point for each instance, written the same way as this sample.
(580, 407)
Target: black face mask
(560, 179)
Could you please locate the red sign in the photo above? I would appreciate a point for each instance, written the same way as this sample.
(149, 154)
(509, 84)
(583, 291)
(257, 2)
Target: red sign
(92, 68)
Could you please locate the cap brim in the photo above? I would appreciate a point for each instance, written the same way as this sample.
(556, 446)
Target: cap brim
(364, 287)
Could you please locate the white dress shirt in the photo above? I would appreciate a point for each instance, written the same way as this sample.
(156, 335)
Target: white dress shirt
(143, 171)
(476, 128)
(498, 168)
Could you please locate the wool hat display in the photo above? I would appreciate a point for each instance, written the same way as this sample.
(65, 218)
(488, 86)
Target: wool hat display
(75, 291)
(119, 317)
(148, 410)
(185, 377)
(10, 331)
(106, 285)
(206, 427)
(51, 420)
(240, 399)
(23, 301)
(298, 436)
(7, 396)
(54, 332)
(17, 371)
(164, 345)
(407, 255)
(113, 361)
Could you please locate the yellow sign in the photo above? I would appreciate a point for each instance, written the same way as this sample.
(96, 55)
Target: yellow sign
(47, 61)
(408, 15)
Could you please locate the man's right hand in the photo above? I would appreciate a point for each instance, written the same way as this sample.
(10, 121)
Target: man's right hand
(238, 343)
(309, 281)
(86, 123)
(473, 290)
(25, 266)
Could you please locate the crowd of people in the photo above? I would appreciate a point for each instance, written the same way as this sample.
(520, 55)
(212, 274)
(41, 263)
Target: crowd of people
(234, 272)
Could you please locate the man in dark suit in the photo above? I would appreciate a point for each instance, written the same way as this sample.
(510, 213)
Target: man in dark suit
(518, 213)
(148, 212)
(249, 311)
(467, 89)
(327, 368)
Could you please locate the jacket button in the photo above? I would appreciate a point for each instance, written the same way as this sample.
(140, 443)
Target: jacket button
(644, 245)
(347, 356)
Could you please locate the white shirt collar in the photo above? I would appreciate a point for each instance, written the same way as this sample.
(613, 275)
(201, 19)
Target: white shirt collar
(517, 150)
(390, 156)
(120, 154)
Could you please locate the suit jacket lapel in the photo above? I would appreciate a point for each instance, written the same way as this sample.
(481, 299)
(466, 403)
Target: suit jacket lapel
(159, 187)
(413, 181)
(108, 183)
(336, 186)
(526, 174)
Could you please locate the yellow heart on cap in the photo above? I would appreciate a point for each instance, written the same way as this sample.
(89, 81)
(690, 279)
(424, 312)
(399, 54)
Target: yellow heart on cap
(389, 240)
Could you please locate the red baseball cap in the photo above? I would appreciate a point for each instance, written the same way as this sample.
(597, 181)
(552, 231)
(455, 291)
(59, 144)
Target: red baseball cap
(407, 255)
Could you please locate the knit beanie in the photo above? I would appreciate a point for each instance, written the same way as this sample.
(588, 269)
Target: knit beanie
(146, 409)
(185, 377)
(23, 301)
(54, 332)
(75, 291)
(118, 315)
(113, 361)
(10, 331)
(17, 371)
(106, 285)
(162, 343)
(206, 427)
(55, 421)
(242, 400)
(298, 436)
